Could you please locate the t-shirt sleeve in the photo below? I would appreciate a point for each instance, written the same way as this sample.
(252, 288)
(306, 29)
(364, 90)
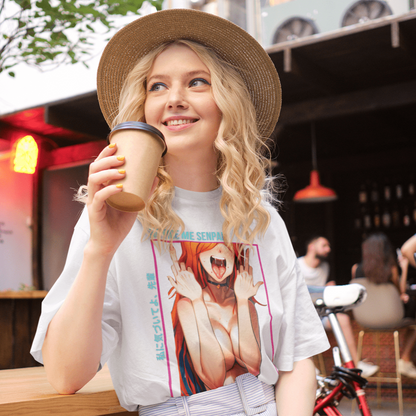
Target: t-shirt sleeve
(301, 333)
(56, 297)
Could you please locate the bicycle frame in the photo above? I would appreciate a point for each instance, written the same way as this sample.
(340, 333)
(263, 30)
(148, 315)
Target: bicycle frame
(328, 403)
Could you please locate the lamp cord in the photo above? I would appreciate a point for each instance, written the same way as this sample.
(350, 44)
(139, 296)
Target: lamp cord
(314, 160)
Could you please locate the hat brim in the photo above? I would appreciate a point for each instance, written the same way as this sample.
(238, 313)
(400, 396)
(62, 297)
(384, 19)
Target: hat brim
(229, 41)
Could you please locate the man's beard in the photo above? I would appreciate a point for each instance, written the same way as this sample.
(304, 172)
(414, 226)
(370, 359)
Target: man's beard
(321, 257)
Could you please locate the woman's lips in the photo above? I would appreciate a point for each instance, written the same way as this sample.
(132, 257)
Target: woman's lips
(177, 124)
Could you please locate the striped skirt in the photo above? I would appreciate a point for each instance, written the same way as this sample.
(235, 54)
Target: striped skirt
(247, 396)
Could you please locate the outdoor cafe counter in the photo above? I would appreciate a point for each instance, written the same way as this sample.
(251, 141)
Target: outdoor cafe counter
(26, 391)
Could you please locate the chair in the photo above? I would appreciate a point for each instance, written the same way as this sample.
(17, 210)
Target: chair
(320, 364)
(383, 311)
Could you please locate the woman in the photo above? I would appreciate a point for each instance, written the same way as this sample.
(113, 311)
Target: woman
(379, 267)
(215, 95)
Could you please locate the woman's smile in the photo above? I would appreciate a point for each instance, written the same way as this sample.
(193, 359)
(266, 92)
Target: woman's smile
(178, 123)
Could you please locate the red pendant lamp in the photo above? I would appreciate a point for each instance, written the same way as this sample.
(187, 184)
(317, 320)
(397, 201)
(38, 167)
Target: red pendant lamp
(314, 192)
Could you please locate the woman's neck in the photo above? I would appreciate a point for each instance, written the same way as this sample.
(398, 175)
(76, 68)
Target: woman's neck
(197, 176)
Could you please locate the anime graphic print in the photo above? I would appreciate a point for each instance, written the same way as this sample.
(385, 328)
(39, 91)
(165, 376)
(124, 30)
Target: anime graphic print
(214, 317)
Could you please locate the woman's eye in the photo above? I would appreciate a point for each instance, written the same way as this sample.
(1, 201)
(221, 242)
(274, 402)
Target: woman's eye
(198, 82)
(157, 86)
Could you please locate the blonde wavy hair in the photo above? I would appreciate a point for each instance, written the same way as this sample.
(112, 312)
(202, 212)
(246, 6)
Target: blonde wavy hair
(242, 162)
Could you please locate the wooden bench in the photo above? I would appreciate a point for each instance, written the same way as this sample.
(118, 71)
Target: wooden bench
(26, 391)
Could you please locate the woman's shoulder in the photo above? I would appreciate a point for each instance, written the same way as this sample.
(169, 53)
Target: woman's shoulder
(276, 220)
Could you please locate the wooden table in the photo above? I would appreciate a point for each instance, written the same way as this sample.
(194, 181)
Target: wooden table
(26, 391)
(19, 316)
(23, 294)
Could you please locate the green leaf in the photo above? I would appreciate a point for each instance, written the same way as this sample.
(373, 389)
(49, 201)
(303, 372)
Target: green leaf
(24, 4)
(41, 31)
(12, 74)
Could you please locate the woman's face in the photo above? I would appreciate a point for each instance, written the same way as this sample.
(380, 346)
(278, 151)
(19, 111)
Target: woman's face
(180, 104)
(218, 262)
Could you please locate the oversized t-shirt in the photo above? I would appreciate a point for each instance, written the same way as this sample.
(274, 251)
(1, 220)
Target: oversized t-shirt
(317, 276)
(244, 309)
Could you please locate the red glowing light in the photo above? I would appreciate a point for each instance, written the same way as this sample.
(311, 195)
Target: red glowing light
(26, 155)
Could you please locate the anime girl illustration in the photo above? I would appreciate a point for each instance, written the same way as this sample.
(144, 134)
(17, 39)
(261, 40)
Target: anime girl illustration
(214, 316)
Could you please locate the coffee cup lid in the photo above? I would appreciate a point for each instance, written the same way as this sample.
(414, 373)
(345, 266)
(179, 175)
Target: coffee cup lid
(138, 125)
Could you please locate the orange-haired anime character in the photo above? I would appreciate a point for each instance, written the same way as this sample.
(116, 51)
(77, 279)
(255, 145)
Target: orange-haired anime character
(214, 317)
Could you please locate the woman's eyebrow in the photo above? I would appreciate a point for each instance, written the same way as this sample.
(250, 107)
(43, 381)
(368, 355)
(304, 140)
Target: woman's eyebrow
(189, 74)
(198, 72)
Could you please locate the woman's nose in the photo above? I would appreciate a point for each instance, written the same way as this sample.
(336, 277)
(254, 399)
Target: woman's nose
(177, 98)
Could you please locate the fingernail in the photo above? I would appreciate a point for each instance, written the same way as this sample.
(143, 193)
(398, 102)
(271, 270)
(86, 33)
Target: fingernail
(119, 185)
(120, 157)
(122, 171)
(112, 145)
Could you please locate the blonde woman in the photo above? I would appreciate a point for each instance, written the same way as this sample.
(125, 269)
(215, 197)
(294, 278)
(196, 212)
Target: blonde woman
(225, 328)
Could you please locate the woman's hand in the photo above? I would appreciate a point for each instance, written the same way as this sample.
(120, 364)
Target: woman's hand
(108, 226)
(184, 280)
(404, 297)
(243, 286)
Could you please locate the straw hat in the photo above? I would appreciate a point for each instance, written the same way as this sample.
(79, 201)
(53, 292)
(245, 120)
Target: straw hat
(228, 40)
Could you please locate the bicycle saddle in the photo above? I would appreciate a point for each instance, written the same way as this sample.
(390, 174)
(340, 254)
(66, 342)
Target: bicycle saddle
(345, 296)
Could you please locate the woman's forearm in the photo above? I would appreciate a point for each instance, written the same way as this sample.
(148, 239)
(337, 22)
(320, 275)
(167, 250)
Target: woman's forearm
(73, 343)
(403, 279)
(296, 390)
(249, 351)
(211, 366)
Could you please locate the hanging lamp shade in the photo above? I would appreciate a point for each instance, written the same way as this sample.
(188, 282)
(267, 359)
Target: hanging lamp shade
(315, 192)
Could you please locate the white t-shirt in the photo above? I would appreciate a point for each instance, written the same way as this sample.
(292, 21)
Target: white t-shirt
(266, 333)
(317, 276)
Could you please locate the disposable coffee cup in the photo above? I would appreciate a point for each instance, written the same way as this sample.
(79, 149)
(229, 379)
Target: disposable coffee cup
(143, 146)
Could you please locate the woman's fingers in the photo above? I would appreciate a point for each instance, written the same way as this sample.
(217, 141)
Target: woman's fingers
(175, 267)
(97, 200)
(246, 260)
(172, 281)
(107, 151)
(172, 253)
(174, 270)
(106, 167)
(97, 188)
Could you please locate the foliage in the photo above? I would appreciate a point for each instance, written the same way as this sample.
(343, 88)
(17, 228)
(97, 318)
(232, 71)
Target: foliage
(46, 33)
(26, 288)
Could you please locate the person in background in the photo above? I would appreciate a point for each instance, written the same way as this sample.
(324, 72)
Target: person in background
(379, 266)
(315, 270)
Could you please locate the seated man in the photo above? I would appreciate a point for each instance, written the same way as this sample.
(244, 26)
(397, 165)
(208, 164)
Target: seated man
(315, 270)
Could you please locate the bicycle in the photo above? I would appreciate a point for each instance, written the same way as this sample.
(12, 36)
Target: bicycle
(345, 380)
